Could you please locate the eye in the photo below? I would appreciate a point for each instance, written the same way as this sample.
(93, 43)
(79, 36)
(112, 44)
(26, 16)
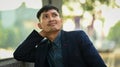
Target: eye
(45, 16)
(54, 14)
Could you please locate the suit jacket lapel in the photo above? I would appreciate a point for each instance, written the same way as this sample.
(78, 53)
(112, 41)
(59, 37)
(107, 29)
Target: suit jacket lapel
(65, 45)
(42, 53)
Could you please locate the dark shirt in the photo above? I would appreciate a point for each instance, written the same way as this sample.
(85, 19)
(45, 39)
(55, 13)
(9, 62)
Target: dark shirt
(55, 59)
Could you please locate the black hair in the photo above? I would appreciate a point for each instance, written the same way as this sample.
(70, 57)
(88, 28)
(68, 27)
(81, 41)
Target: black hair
(45, 9)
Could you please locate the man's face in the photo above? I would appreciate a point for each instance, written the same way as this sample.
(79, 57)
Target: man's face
(50, 21)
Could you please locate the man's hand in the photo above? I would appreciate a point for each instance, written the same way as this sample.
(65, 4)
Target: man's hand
(43, 33)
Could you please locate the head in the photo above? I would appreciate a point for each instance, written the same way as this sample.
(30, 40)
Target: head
(49, 19)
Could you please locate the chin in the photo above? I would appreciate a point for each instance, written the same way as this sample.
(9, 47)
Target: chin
(55, 30)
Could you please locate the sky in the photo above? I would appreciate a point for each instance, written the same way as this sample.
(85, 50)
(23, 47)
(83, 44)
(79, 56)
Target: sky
(14, 4)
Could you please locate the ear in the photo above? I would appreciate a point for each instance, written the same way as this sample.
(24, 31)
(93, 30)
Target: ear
(39, 25)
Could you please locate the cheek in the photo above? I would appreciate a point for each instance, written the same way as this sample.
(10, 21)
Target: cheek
(43, 23)
(60, 23)
(43, 26)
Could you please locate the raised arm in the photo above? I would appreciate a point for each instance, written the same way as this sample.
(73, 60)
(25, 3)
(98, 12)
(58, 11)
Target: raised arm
(27, 49)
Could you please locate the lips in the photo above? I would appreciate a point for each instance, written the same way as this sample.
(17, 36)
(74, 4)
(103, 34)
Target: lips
(52, 23)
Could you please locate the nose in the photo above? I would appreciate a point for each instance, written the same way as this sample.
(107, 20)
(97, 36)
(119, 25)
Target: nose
(51, 18)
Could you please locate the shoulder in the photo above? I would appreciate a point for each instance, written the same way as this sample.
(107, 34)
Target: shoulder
(75, 32)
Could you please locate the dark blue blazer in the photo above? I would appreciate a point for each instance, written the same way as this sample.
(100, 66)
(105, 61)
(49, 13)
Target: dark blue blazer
(77, 50)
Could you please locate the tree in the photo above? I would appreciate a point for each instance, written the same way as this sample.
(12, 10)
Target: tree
(114, 34)
(88, 6)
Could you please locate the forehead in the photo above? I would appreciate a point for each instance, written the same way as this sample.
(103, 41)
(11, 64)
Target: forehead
(49, 11)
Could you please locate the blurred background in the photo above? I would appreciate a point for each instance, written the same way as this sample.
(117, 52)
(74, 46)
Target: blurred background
(100, 19)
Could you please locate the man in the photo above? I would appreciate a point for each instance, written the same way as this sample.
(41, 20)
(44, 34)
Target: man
(53, 47)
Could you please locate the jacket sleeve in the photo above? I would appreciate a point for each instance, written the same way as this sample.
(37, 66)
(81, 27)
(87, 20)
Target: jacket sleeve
(27, 49)
(89, 52)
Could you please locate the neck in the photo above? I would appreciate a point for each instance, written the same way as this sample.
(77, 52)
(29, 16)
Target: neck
(51, 36)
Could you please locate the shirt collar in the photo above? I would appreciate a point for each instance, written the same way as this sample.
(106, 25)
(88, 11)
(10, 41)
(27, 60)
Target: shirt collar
(57, 40)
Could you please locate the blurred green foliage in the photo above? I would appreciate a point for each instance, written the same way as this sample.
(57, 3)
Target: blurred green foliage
(8, 37)
(114, 34)
(11, 36)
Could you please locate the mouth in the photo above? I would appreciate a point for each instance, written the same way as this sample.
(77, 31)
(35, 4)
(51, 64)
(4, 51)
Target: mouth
(52, 24)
